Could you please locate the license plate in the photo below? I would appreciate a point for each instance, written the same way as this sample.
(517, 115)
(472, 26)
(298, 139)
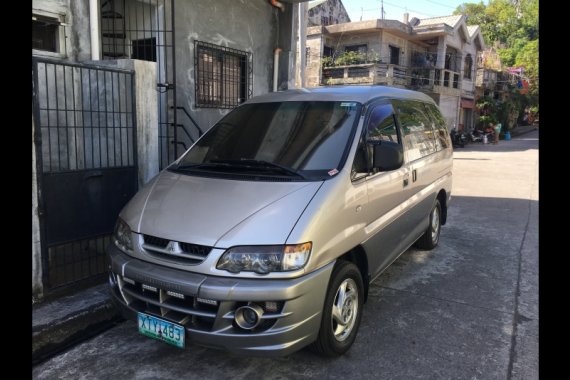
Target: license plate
(160, 329)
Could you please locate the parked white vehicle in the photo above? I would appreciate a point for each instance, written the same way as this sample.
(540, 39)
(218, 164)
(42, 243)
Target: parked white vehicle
(264, 236)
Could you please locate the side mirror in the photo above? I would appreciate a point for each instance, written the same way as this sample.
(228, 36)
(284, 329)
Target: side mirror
(387, 156)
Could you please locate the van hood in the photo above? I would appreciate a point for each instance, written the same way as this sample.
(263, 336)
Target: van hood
(218, 212)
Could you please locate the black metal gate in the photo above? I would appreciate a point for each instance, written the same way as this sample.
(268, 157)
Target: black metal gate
(85, 136)
(144, 30)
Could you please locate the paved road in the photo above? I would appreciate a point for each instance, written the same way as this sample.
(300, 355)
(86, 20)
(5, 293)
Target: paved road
(466, 310)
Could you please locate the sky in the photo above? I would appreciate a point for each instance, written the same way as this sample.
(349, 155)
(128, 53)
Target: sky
(394, 9)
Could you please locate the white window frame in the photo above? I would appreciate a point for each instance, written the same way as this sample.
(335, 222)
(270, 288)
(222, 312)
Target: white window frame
(58, 18)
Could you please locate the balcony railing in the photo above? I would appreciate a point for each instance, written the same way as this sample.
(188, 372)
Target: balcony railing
(442, 81)
(365, 73)
(423, 79)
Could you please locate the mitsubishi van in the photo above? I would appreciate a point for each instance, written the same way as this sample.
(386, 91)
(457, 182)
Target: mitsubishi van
(263, 237)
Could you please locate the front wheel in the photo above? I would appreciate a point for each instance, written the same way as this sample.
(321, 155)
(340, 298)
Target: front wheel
(430, 238)
(342, 311)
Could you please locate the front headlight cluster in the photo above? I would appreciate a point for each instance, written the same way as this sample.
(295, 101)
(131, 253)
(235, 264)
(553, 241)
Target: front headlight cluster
(265, 259)
(122, 236)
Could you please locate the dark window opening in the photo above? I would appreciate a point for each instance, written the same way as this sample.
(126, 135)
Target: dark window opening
(362, 49)
(222, 76)
(394, 55)
(45, 33)
(468, 67)
(328, 51)
(144, 49)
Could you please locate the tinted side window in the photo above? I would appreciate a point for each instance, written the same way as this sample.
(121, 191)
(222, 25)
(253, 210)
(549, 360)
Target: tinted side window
(381, 126)
(442, 136)
(416, 130)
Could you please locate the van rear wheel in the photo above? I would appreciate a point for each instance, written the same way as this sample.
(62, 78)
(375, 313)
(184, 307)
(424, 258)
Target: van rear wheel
(341, 312)
(430, 238)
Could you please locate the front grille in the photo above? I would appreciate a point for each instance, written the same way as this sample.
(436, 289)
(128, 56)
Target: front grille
(173, 251)
(156, 241)
(187, 312)
(195, 249)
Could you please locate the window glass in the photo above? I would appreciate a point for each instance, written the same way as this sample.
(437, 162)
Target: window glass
(380, 127)
(441, 134)
(306, 136)
(416, 130)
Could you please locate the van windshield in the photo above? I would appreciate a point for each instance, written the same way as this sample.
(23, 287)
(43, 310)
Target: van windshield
(306, 140)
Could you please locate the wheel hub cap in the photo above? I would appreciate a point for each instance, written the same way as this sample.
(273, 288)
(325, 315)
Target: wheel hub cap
(344, 310)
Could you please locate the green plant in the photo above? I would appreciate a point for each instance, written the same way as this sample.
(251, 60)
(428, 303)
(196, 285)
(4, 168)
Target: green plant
(487, 111)
(350, 58)
(327, 61)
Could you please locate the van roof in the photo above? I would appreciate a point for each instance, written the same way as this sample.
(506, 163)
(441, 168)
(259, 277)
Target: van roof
(361, 94)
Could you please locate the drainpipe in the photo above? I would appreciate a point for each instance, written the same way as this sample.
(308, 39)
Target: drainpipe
(94, 25)
(277, 4)
(275, 67)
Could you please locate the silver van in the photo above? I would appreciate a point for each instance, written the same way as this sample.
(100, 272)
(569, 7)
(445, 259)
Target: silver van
(263, 237)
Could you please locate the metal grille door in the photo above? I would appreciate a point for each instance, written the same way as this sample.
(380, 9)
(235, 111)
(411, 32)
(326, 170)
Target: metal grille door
(85, 135)
(144, 30)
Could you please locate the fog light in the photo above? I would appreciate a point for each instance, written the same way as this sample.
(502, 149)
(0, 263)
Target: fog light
(207, 301)
(175, 294)
(148, 287)
(248, 317)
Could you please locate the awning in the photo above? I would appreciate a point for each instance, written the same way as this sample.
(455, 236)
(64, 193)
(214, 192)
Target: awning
(467, 103)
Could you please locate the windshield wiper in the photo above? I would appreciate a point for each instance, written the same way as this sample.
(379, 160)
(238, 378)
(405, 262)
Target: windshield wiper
(249, 163)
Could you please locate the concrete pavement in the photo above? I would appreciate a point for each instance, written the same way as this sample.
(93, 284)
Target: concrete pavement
(466, 310)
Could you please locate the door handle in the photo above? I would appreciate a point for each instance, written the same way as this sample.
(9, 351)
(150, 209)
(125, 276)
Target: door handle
(414, 175)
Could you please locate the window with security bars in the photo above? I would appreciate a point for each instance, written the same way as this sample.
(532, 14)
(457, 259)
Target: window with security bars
(223, 77)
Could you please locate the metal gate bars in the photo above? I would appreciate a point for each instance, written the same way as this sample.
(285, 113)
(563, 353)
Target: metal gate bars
(85, 138)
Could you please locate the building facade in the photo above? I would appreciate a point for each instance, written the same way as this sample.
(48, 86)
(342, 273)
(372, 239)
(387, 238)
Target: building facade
(437, 56)
(326, 12)
(117, 79)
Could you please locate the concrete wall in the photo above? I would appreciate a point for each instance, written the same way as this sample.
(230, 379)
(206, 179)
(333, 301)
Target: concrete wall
(390, 39)
(449, 109)
(315, 42)
(76, 33)
(146, 116)
(250, 26)
(37, 285)
(331, 12)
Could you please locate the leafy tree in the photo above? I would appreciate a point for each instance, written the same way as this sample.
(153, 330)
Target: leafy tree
(512, 26)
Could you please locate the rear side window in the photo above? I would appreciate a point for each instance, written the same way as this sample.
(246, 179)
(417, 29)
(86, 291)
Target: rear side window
(441, 134)
(415, 123)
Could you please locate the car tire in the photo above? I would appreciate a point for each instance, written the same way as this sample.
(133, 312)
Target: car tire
(430, 238)
(335, 338)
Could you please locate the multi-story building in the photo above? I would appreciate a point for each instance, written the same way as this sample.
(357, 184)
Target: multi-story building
(434, 55)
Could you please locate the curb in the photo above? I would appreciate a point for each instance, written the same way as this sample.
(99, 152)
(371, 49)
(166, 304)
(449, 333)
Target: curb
(78, 317)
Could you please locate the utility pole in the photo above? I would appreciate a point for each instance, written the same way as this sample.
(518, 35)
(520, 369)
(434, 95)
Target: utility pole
(382, 10)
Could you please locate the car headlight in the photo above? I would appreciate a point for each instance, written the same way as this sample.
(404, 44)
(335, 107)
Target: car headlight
(265, 259)
(122, 236)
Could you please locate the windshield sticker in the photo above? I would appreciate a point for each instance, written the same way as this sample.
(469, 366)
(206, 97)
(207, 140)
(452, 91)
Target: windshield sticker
(348, 104)
(333, 172)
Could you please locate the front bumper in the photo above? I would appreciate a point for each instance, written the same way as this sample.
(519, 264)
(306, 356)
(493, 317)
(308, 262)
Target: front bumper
(295, 324)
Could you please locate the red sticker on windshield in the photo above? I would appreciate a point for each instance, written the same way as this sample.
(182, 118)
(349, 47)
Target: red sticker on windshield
(333, 172)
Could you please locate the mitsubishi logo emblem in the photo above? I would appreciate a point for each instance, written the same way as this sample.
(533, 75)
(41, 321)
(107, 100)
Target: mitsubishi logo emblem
(172, 247)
